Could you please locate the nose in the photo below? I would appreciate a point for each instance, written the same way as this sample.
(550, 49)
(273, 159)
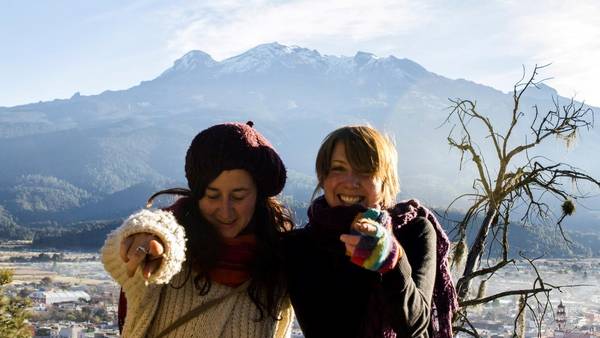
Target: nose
(226, 211)
(352, 180)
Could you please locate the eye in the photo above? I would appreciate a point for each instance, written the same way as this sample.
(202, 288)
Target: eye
(212, 196)
(337, 169)
(238, 197)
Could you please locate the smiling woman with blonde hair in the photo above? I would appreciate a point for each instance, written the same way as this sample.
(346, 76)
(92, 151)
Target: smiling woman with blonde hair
(364, 265)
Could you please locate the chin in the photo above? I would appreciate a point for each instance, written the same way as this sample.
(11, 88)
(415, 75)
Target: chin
(228, 234)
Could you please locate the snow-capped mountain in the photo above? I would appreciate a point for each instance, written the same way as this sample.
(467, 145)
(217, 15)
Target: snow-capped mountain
(191, 61)
(277, 57)
(104, 146)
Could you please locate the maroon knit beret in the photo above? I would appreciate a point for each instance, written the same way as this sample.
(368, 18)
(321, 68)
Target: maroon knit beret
(233, 146)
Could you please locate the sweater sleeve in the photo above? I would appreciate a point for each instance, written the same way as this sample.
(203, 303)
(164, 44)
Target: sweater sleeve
(159, 223)
(408, 288)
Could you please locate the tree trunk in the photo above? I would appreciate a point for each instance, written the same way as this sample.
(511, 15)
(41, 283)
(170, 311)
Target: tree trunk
(475, 253)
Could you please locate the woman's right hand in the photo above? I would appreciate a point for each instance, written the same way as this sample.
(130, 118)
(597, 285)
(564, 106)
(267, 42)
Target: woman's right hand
(142, 249)
(371, 245)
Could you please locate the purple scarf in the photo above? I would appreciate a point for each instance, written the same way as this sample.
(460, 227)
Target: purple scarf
(445, 301)
(327, 224)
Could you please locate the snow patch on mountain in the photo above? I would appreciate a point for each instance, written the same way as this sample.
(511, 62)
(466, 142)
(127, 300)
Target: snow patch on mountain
(265, 56)
(192, 60)
(274, 57)
(362, 58)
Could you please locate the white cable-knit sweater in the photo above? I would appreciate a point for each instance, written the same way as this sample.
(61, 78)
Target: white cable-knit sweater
(233, 317)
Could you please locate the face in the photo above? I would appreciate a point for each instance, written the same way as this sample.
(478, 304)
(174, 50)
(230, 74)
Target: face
(229, 202)
(344, 186)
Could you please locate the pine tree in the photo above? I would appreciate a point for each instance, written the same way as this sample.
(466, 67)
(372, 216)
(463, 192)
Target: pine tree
(13, 311)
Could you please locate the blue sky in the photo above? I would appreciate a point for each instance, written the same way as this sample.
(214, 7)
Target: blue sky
(52, 49)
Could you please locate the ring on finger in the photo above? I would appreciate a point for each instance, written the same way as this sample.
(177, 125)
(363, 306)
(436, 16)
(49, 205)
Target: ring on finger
(142, 249)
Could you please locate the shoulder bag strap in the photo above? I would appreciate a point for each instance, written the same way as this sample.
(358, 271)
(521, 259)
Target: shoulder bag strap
(199, 309)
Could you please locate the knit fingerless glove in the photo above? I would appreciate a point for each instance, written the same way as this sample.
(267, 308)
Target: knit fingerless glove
(376, 252)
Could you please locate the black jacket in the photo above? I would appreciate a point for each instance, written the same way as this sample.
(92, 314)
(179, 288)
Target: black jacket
(332, 297)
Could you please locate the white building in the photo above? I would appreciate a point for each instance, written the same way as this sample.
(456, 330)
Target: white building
(71, 332)
(54, 297)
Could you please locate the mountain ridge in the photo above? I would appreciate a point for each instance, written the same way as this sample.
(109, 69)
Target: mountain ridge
(135, 139)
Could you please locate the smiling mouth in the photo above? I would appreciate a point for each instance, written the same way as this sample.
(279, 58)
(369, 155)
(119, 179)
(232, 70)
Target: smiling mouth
(227, 224)
(350, 199)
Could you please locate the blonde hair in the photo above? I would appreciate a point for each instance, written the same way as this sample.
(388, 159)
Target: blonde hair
(368, 151)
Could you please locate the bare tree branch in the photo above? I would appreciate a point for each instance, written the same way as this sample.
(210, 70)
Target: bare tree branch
(517, 179)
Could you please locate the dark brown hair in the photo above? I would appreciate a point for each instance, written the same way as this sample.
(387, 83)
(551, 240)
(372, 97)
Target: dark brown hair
(204, 243)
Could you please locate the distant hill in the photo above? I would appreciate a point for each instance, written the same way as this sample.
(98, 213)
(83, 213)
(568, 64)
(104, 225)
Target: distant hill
(531, 242)
(99, 157)
(88, 236)
(9, 229)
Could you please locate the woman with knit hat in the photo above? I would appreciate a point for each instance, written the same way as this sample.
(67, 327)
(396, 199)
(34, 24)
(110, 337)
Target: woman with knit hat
(210, 265)
(364, 265)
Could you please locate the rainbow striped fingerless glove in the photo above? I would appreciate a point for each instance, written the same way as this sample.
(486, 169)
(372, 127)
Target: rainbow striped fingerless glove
(376, 252)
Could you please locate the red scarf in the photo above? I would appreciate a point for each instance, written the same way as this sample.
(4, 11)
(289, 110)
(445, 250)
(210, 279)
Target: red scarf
(237, 256)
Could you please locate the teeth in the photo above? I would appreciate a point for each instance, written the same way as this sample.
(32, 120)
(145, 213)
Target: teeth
(349, 199)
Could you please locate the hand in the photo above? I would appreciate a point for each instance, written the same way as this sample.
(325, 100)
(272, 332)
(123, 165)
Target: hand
(142, 249)
(364, 226)
(371, 245)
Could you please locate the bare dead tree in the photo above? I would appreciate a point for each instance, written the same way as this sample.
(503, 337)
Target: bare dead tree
(509, 176)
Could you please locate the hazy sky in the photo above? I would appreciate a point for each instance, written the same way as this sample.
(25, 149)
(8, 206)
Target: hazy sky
(52, 49)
